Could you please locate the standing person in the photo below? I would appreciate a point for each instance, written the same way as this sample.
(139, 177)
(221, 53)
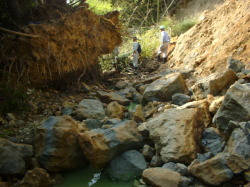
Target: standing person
(135, 53)
(115, 54)
(163, 49)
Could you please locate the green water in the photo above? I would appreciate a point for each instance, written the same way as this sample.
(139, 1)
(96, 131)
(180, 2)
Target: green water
(82, 177)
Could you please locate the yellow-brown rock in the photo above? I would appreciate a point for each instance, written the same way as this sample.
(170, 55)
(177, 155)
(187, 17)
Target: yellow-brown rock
(100, 146)
(161, 177)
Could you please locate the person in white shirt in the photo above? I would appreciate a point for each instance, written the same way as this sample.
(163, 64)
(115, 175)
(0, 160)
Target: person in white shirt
(163, 49)
(114, 55)
(135, 52)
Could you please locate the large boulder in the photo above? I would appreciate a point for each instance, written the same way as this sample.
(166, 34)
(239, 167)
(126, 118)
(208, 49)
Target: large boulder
(164, 88)
(161, 177)
(177, 134)
(100, 146)
(212, 141)
(13, 156)
(177, 167)
(238, 146)
(213, 171)
(180, 99)
(129, 165)
(90, 108)
(234, 107)
(214, 84)
(37, 177)
(108, 97)
(204, 106)
(57, 147)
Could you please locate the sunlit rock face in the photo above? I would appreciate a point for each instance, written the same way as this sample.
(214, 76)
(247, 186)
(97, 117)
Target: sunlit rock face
(161, 177)
(164, 88)
(100, 146)
(235, 106)
(213, 171)
(177, 134)
(57, 147)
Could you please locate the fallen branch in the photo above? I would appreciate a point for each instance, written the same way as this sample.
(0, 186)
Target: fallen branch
(19, 33)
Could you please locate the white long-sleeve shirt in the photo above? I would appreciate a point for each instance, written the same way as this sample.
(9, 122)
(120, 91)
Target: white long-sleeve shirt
(135, 46)
(165, 37)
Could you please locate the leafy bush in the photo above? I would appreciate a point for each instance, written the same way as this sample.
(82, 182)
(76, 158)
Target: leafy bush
(182, 27)
(176, 28)
(100, 7)
(150, 41)
(12, 99)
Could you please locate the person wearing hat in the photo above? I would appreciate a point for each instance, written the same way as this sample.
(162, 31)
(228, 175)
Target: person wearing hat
(163, 49)
(135, 53)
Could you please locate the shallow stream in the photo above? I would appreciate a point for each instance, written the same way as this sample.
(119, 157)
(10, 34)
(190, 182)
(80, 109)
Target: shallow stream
(87, 177)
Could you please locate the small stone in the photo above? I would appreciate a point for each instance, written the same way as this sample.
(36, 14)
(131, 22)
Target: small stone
(148, 152)
(156, 161)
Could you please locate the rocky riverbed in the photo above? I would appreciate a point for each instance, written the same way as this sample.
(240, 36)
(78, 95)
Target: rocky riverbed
(175, 135)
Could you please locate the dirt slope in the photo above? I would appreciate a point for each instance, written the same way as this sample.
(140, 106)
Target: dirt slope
(222, 33)
(194, 8)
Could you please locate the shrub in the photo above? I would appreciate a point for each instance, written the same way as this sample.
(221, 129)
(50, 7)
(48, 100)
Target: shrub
(176, 28)
(150, 41)
(12, 99)
(182, 27)
(100, 7)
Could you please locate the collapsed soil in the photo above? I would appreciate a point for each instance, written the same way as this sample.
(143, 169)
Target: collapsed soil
(221, 33)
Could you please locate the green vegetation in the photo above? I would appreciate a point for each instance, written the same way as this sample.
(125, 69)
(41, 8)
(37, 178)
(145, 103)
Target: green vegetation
(100, 7)
(12, 98)
(149, 38)
(176, 28)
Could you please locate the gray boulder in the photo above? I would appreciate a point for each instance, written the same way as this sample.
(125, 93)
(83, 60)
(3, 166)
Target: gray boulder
(213, 171)
(92, 123)
(239, 148)
(164, 88)
(214, 84)
(235, 64)
(100, 146)
(13, 156)
(148, 152)
(186, 181)
(121, 84)
(90, 108)
(177, 167)
(57, 147)
(180, 99)
(212, 141)
(234, 107)
(204, 157)
(129, 165)
(108, 97)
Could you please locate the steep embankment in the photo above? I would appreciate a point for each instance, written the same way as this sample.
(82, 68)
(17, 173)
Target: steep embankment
(221, 33)
(194, 8)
